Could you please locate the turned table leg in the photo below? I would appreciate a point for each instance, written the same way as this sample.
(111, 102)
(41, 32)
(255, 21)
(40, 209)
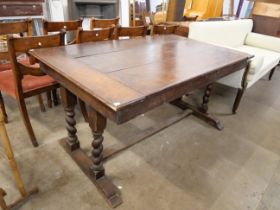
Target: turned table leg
(69, 103)
(206, 97)
(200, 112)
(97, 124)
(110, 192)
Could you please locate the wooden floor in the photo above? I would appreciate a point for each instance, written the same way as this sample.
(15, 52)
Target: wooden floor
(236, 169)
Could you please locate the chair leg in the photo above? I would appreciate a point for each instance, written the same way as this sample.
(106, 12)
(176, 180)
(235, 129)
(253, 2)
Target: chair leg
(271, 73)
(55, 97)
(3, 109)
(49, 97)
(40, 100)
(3, 204)
(26, 120)
(237, 100)
(83, 109)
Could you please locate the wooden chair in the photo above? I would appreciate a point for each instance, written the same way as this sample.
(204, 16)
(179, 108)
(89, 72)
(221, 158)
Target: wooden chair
(164, 29)
(28, 80)
(21, 28)
(105, 23)
(132, 31)
(95, 35)
(92, 36)
(182, 31)
(56, 26)
(16, 174)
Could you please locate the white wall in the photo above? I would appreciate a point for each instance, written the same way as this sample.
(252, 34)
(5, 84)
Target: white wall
(154, 3)
(124, 16)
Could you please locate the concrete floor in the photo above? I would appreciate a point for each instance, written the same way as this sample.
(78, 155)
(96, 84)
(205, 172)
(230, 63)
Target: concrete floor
(188, 166)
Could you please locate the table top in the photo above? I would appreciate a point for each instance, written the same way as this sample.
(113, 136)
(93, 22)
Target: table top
(124, 78)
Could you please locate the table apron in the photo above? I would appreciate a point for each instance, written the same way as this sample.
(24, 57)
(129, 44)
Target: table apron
(150, 101)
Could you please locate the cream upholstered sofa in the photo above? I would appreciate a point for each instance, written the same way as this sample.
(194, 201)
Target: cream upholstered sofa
(237, 35)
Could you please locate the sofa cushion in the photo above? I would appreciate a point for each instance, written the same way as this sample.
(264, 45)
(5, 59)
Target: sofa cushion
(227, 33)
(269, 60)
(29, 83)
(263, 41)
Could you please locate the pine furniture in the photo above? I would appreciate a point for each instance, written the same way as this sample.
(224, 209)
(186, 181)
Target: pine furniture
(16, 174)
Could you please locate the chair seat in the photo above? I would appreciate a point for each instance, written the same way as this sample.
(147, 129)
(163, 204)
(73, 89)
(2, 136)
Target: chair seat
(8, 66)
(29, 83)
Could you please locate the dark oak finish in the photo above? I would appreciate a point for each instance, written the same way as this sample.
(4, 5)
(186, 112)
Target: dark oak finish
(206, 97)
(272, 73)
(241, 91)
(69, 102)
(111, 79)
(19, 8)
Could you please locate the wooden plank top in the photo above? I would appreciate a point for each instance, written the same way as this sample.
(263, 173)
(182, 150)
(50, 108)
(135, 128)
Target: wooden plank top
(124, 78)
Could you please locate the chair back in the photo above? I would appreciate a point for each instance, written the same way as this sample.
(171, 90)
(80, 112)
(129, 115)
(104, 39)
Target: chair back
(18, 27)
(164, 29)
(55, 26)
(103, 23)
(132, 31)
(94, 35)
(182, 31)
(68, 26)
(24, 45)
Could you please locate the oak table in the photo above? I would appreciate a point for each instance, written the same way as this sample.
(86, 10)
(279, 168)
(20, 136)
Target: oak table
(122, 79)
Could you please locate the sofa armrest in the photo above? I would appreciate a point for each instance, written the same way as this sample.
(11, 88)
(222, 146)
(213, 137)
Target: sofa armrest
(263, 41)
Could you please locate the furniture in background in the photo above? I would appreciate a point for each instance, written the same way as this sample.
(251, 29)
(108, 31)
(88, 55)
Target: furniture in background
(28, 80)
(266, 18)
(203, 9)
(68, 26)
(238, 35)
(11, 10)
(94, 35)
(71, 27)
(130, 32)
(182, 27)
(164, 29)
(21, 9)
(115, 84)
(105, 23)
(16, 174)
(21, 28)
